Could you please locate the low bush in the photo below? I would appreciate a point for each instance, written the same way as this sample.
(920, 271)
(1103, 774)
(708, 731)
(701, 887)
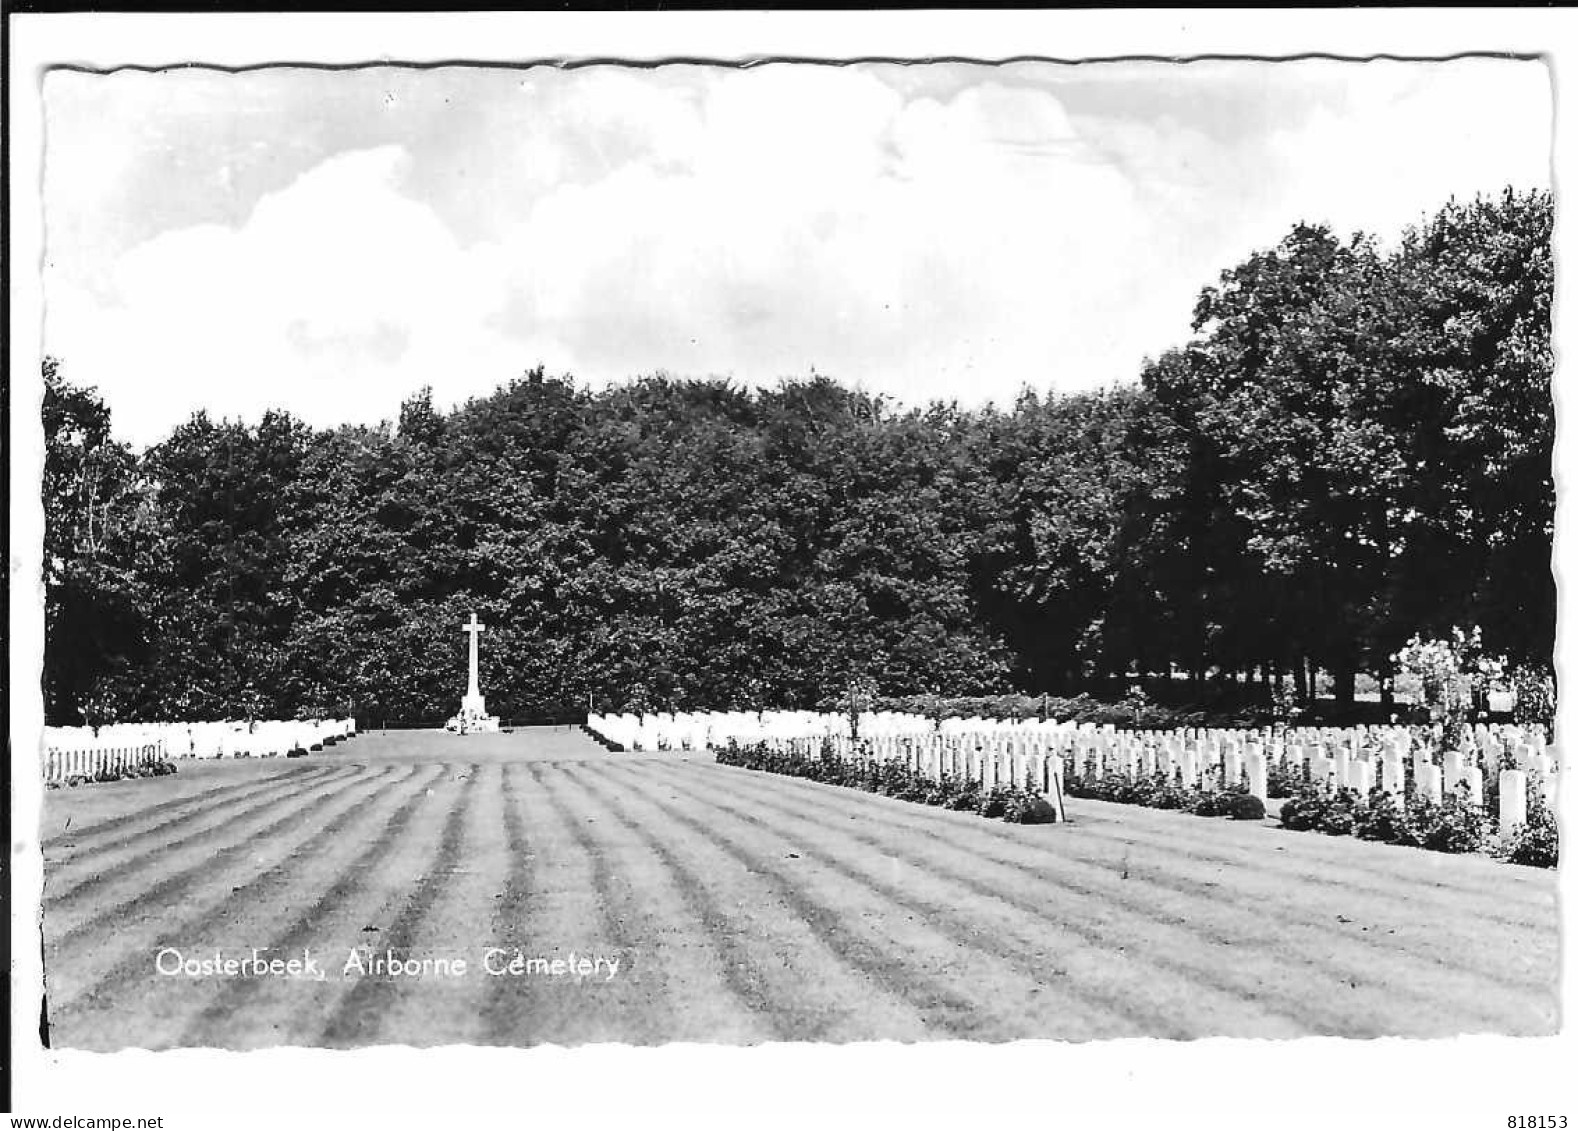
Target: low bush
(1284, 780)
(1029, 809)
(1339, 820)
(1534, 843)
(1383, 819)
(1310, 808)
(1453, 825)
(1158, 791)
(1244, 807)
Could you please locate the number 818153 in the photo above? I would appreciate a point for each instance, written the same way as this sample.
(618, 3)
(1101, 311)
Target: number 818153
(1537, 1122)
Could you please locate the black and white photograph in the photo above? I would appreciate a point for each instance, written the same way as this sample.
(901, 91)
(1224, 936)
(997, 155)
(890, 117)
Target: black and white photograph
(562, 552)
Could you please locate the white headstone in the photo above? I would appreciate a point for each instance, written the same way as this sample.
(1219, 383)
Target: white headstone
(1514, 800)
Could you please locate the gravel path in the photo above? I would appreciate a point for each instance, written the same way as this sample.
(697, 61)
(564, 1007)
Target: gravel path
(740, 908)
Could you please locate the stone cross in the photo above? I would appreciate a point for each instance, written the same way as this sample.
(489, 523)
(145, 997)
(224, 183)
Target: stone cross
(474, 629)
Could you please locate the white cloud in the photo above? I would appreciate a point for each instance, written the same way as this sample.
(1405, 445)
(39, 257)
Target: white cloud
(1415, 135)
(335, 298)
(753, 223)
(820, 221)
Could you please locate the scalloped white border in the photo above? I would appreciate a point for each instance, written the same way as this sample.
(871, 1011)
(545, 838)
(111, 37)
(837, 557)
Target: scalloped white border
(1469, 1082)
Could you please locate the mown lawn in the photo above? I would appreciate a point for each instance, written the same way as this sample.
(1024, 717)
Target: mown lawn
(742, 908)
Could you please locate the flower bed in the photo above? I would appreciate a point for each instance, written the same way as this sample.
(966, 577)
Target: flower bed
(1156, 791)
(1454, 824)
(144, 770)
(1012, 803)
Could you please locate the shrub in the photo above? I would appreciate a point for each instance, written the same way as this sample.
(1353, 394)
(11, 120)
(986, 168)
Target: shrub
(1112, 786)
(1337, 820)
(1534, 702)
(965, 798)
(1452, 826)
(1331, 811)
(1382, 818)
(1535, 843)
(1170, 796)
(1283, 779)
(1158, 791)
(993, 803)
(1301, 810)
(1025, 808)
(1244, 807)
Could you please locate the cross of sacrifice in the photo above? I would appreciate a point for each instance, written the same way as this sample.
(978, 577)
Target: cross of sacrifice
(474, 629)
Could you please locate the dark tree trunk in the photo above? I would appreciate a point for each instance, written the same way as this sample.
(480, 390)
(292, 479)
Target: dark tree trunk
(1343, 679)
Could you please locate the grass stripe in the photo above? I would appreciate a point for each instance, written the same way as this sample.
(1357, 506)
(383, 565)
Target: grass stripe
(257, 889)
(1095, 1013)
(234, 995)
(358, 1012)
(1108, 894)
(500, 1013)
(178, 883)
(113, 824)
(251, 806)
(742, 978)
(944, 1011)
(1185, 874)
(697, 1002)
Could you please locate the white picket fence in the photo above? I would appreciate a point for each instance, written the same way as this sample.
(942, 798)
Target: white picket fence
(61, 764)
(73, 751)
(994, 750)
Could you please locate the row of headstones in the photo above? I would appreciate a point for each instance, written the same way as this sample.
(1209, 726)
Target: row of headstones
(62, 765)
(1038, 768)
(695, 730)
(701, 729)
(1348, 761)
(1345, 765)
(1357, 757)
(994, 758)
(1323, 747)
(207, 740)
(1225, 759)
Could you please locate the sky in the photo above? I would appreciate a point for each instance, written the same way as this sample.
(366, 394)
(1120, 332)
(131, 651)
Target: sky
(328, 242)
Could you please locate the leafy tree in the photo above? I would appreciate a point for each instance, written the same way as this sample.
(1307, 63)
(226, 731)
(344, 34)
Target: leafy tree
(1352, 447)
(95, 522)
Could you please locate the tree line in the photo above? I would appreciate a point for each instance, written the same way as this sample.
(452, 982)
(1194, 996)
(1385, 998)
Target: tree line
(1352, 447)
